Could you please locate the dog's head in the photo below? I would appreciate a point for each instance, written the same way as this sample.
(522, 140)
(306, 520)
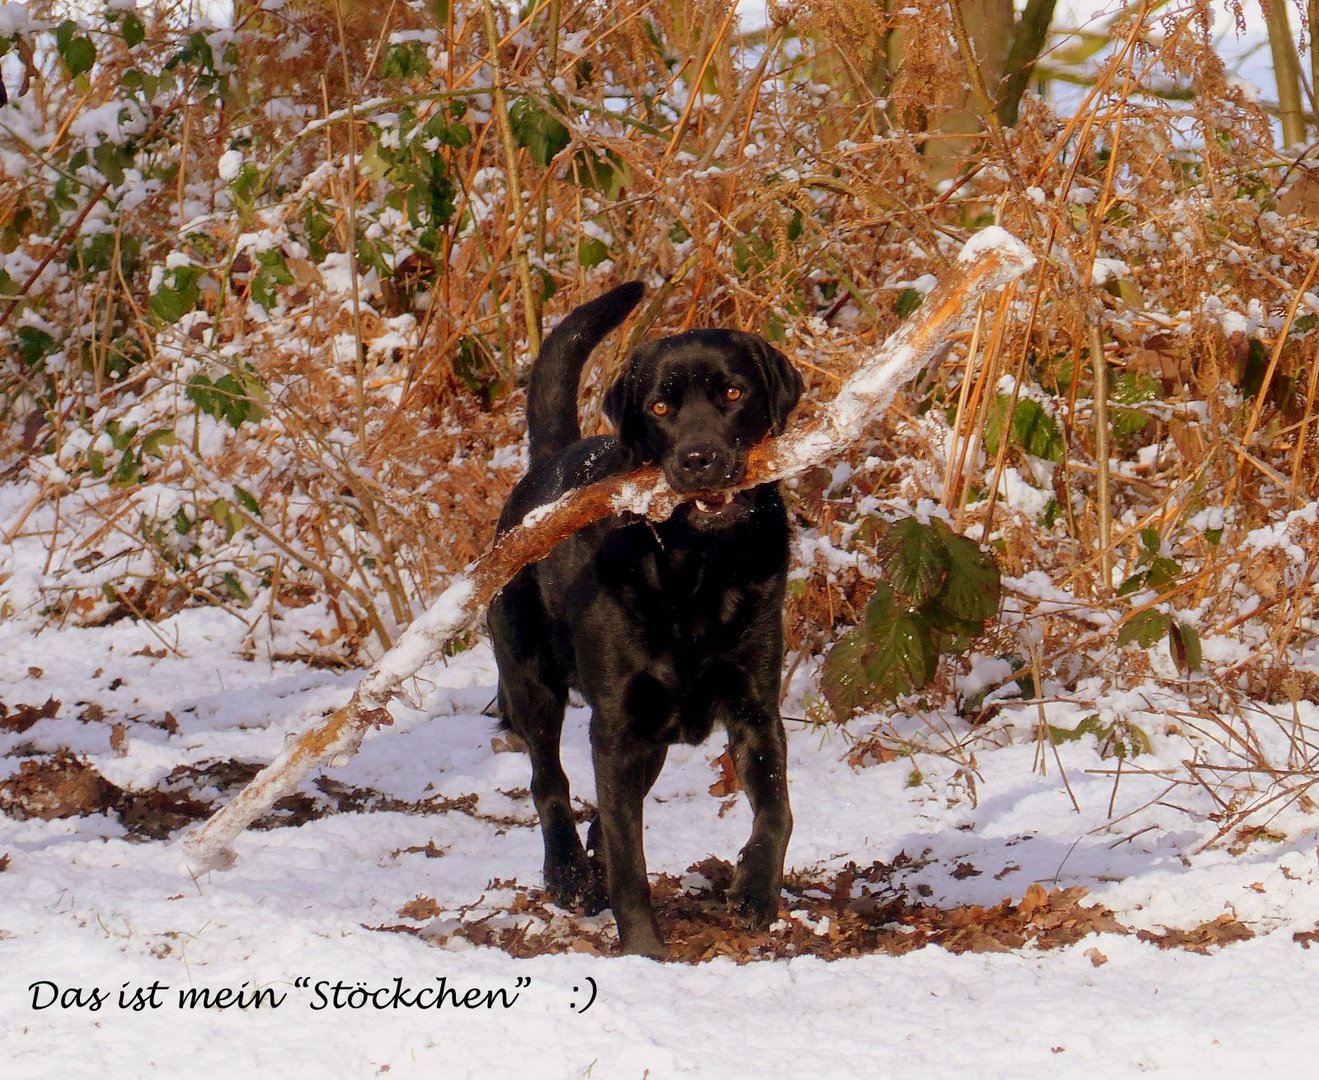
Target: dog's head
(695, 403)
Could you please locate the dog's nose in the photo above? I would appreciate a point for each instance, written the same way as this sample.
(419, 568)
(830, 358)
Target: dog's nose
(701, 465)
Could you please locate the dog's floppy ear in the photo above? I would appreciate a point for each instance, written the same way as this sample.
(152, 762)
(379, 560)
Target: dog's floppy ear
(622, 404)
(782, 380)
(616, 400)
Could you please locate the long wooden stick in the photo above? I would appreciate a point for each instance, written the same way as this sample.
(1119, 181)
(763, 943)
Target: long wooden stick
(991, 259)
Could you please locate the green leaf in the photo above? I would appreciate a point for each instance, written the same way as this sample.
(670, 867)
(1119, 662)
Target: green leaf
(548, 286)
(235, 397)
(1184, 646)
(235, 589)
(1133, 388)
(1163, 572)
(245, 182)
(971, 590)
(133, 30)
(147, 85)
(273, 273)
(591, 252)
(951, 633)
(1145, 628)
(316, 228)
(78, 53)
(475, 366)
(890, 654)
(1133, 584)
(405, 59)
(129, 471)
(1091, 725)
(1121, 739)
(109, 163)
(538, 131)
(247, 501)
(155, 443)
(120, 436)
(908, 301)
(224, 515)
(170, 304)
(1128, 422)
(34, 344)
(236, 400)
(1252, 371)
(607, 173)
(177, 293)
(1032, 429)
(450, 134)
(913, 558)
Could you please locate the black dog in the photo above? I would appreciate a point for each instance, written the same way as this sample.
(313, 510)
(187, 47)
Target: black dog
(667, 629)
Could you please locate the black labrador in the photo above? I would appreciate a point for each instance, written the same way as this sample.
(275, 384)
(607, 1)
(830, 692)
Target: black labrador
(667, 629)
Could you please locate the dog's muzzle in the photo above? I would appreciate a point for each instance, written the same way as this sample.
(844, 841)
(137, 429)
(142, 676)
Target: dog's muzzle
(700, 466)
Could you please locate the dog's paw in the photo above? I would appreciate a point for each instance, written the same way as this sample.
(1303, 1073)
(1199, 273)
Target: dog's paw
(642, 939)
(756, 903)
(577, 886)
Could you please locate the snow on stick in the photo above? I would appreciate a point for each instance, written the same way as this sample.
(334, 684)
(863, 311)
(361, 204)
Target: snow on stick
(991, 259)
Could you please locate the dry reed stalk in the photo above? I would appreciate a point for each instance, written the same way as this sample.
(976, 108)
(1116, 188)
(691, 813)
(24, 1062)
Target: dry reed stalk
(1103, 500)
(963, 434)
(1303, 432)
(1000, 460)
(530, 301)
(991, 366)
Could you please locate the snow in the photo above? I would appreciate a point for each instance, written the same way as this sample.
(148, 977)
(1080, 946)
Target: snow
(85, 907)
(993, 238)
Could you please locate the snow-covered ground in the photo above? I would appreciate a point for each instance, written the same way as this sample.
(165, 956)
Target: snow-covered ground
(88, 905)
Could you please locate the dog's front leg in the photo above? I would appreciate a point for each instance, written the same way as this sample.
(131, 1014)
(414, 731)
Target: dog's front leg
(625, 770)
(759, 751)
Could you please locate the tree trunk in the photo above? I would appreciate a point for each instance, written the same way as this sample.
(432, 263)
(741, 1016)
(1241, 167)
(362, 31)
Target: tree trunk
(1027, 43)
(957, 131)
(1286, 71)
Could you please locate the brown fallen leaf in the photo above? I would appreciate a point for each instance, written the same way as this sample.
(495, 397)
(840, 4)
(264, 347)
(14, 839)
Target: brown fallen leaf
(420, 908)
(1034, 900)
(23, 717)
(61, 786)
(727, 784)
(1224, 930)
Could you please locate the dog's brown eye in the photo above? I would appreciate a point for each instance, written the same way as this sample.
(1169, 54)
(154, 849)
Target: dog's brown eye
(733, 393)
(660, 408)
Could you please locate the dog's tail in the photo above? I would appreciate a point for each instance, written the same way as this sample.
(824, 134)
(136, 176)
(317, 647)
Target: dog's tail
(552, 421)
